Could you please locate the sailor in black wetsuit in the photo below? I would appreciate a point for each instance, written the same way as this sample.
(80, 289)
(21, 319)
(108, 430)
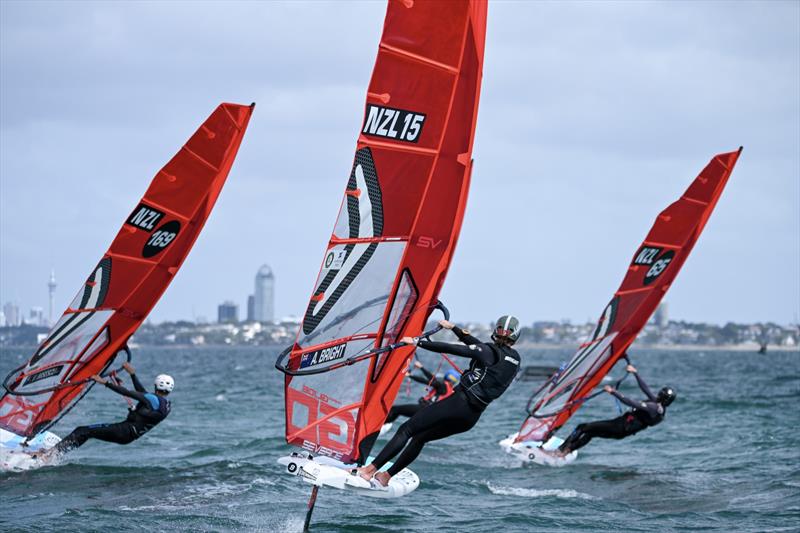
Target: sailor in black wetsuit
(439, 390)
(643, 414)
(492, 369)
(151, 409)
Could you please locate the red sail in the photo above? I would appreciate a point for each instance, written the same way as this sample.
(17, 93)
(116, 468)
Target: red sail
(128, 281)
(397, 227)
(651, 272)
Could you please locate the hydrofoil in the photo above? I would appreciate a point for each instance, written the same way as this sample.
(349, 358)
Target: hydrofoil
(324, 471)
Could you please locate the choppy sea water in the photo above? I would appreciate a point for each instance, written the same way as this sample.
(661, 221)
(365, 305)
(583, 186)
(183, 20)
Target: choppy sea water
(726, 459)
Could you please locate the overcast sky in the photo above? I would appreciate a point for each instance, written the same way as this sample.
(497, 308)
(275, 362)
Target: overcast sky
(594, 117)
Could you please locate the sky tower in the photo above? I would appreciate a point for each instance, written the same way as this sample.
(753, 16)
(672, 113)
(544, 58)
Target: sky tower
(51, 289)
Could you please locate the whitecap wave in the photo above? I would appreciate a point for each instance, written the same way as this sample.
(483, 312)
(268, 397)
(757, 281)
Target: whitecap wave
(16, 461)
(290, 525)
(537, 493)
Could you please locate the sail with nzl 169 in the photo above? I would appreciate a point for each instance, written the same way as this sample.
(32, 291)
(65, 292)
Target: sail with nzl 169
(132, 275)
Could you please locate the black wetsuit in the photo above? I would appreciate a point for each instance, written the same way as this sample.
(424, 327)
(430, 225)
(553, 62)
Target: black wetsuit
(439, 388)
(643, 415)
(491, 371)
(150, 410)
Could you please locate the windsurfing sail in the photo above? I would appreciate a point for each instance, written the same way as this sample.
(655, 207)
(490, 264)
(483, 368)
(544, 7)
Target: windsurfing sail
(396, 231)
(129, 279)
(651, 272)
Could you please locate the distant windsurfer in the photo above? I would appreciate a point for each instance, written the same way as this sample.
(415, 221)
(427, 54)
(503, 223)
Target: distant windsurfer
(152, 408)
(440, 388)
(493, 367)
(643, 414)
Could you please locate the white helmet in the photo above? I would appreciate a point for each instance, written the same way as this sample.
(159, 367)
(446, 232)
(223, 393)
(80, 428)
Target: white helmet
(164, 383)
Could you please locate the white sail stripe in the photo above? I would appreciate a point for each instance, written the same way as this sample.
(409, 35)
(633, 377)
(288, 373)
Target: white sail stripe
(64, 332)
(606, 322)
(558, 396)
(365, 229)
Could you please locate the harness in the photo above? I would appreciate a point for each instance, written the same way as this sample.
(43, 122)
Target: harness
(487, 383)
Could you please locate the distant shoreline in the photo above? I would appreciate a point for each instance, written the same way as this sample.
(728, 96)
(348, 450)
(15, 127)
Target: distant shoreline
(525, 346)
(672, 347)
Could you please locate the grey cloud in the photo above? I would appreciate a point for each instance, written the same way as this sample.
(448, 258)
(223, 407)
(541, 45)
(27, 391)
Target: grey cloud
(594, 116)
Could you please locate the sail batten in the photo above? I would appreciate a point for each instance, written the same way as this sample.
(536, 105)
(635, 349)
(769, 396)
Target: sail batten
(422, 59)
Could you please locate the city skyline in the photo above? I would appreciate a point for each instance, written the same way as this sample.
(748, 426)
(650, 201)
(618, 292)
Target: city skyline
(584, 136)
(36, 314)
(264, 274)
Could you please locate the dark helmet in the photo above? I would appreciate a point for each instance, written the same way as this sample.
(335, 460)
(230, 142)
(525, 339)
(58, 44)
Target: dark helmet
(666, 396)
(507, 328)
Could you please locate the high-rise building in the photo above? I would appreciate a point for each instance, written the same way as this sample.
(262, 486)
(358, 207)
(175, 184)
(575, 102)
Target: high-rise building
(251, 308)
(264, 296)
(661, 316)
(227, 312)
(36, 316)
(13, 316)
(51, 288)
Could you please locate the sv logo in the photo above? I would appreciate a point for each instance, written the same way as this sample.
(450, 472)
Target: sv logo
(428, 242)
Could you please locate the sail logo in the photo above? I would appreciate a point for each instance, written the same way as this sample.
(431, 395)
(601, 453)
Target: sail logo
(428, 242)
(397, 124)
(658, 267)
(334, 260)
(44, 374)
(315, 422)
(161, 238)
(145, 217)
(325, 355)
(646, 255)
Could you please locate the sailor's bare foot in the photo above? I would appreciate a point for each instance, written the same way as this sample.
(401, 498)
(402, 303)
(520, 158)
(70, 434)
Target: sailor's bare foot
(383, 478)
(367, 471)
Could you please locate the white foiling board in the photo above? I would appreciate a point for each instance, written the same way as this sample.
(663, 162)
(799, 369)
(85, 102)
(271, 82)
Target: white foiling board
(535, 452)
(326, 472)
(15, 456)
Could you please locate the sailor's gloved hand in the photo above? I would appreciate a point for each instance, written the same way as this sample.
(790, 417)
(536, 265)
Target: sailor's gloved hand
(631, 369)
(128, 368)
(446, 324)
(417, 364)
(609, 389)
(98, 379)
(409, 340)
